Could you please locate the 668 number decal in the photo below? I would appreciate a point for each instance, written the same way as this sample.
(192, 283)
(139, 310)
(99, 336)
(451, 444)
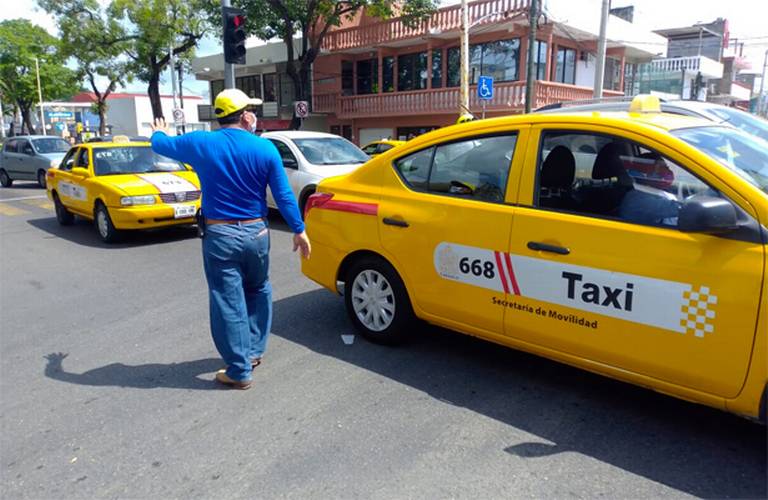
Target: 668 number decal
(478, 267)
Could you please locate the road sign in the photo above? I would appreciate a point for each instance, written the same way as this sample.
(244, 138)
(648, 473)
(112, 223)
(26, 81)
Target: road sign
(302, 109)
(178, 117)
(485, 87)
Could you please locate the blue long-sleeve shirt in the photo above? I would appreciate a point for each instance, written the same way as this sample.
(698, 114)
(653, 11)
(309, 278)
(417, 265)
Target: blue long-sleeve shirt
(235, 167)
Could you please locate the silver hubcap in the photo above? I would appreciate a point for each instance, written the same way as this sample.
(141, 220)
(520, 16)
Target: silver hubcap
(373, 300)
(101, 222)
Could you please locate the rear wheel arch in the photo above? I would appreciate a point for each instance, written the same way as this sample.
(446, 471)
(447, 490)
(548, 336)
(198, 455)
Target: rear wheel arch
(304, 196)
(346, 263)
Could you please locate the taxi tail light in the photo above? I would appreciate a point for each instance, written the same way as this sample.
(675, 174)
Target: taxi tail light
(316, 200)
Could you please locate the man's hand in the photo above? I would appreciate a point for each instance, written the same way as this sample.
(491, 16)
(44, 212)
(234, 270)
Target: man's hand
(301, 242)
(159, 125)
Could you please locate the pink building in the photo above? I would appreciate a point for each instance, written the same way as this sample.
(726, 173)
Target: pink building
(378, 79)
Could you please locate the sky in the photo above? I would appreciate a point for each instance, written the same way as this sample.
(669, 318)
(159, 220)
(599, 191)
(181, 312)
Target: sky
(746, 19)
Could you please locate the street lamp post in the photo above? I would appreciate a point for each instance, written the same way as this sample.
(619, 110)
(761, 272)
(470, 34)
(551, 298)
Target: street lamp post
(464, 69)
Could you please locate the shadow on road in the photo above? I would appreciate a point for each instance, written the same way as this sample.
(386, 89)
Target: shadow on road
(150, 376)
(694, 449)
(83, 233)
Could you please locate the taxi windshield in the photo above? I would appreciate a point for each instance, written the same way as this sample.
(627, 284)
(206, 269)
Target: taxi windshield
(741, 152)
(132, 160)
(330, 151)
(52, 145)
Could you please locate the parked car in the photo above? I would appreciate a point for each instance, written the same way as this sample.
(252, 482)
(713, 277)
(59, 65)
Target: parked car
(28, 157)
(123, 185)
(377, 147)
(628, 244)
(707, 110)
(309, 157)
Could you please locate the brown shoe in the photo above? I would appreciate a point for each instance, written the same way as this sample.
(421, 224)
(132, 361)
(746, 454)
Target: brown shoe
(223, 378)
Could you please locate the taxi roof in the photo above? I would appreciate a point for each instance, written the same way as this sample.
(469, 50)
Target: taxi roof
(129, 144)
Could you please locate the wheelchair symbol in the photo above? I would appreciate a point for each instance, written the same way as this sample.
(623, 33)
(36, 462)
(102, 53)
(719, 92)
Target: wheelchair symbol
(485, 88)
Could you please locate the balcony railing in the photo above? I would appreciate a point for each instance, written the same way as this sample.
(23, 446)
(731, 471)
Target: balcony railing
(708, 67)
(507, 97)
(447, 19)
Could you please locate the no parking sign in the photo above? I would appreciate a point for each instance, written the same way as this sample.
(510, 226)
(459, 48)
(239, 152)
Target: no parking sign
(301, 108)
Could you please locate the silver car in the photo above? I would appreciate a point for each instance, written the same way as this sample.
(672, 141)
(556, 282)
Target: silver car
(28, 157)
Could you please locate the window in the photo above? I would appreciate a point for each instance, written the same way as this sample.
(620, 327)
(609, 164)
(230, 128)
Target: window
(251, 85)
(335, 130)
(82, 159)
(216, 87)
(371, 149)
(540, 59)
(368, 76)
(289, 160)
(51, 145)
(475, 169)
(330, 151)
(347, 78)
(605, 176)
(497, 59)
(453, 78)
(437, 68)
(270, 87)
(388, 74)
(565, 65)
(412, 71)
(11, 146)
(25, 148)
(69, 159)
(612, 75)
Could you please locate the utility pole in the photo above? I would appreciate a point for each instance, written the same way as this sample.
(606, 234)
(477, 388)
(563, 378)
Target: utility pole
(760, 107)
(530, 74)
(229, 69)
(40, 97)
(172, 66)
(181, 96)
(601, 44)
(464, 57)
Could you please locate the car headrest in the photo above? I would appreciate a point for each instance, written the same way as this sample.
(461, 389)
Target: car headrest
(559, 168)
(609, 164)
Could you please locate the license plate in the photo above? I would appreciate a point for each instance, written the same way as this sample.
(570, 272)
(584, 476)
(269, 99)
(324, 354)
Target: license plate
(184, 211)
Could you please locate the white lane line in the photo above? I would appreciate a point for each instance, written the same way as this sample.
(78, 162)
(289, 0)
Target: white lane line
(22, 198)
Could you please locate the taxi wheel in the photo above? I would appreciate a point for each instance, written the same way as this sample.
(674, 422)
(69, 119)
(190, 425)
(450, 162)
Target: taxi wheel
(104, 226)
(4, 179)
(41, 178)
(377, 302)
(63, 216)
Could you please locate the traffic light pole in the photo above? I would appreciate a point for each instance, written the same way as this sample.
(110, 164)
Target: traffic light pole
(229, 69)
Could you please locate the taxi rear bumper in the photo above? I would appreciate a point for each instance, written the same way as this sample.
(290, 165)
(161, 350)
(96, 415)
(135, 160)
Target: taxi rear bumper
(147, 216)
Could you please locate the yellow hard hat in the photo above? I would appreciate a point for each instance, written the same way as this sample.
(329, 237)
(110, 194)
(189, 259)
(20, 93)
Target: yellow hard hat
(230, 101)
(466, 117)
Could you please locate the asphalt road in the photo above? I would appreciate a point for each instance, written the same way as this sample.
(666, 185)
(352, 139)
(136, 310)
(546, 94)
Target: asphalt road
(107, 391)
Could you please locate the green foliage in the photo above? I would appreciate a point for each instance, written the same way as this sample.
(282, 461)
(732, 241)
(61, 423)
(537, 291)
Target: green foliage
(20, 43)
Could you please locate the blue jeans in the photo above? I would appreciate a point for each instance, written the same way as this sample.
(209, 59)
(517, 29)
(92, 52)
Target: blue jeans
(236, 262)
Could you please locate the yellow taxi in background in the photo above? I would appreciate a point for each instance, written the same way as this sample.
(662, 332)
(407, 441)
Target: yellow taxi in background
(123, 185)
(631, 244)
(375, 148)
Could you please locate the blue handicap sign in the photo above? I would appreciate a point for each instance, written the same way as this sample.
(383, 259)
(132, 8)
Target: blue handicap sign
(485, 87)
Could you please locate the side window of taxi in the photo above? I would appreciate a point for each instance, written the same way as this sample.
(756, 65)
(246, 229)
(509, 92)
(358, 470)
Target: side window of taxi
(606, 176)
(82, 159)
(476, 168)
(69, 160)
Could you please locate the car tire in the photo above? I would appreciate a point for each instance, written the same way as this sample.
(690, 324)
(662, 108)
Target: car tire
(371, 279)
(5, 180)
(41, 178)
(103, 222)
(63, 216)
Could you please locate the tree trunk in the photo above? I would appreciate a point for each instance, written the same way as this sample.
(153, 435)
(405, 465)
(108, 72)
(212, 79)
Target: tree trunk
(102, 118)
(26, 121)
(154, 93)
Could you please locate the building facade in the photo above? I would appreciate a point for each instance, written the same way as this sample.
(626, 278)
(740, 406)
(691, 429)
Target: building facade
(376, 79)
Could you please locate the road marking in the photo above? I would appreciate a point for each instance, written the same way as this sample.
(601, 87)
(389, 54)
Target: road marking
(44, 203)
(11, 210)
(23, 198)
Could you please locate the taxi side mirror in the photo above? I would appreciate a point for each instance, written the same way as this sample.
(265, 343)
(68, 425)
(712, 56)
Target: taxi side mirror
(707, 214)
(80, 172)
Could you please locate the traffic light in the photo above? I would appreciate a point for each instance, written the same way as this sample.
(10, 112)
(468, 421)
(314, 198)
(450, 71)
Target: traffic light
(234, 35)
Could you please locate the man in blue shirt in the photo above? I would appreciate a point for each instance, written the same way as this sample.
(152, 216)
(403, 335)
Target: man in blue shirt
(235, 167)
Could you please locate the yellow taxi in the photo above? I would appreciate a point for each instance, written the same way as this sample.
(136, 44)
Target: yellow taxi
(123, 185)
(631, 244)
(375, 148)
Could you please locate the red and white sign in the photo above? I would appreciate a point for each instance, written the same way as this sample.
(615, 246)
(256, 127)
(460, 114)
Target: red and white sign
(301, 108)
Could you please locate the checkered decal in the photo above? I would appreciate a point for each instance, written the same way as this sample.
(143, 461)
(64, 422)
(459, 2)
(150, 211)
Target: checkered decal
(698, 311)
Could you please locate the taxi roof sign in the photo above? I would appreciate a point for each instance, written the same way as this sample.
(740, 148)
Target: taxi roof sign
(121, 138)
(645, 104)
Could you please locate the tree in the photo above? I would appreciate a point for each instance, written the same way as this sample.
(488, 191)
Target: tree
(155, 28)
(313, 19)
(97, 43)
(20, 43)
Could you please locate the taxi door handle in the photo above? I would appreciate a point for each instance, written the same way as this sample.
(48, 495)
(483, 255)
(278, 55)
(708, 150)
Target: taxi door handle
(544, 247)
(394, 222)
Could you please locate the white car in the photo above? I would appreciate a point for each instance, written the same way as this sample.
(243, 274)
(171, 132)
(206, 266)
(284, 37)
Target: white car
(309, 157)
